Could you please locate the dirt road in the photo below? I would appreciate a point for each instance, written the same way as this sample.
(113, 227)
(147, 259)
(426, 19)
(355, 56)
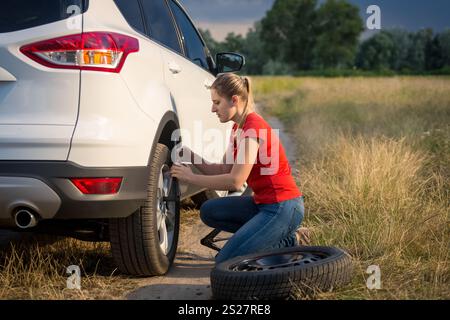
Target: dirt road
(188, 279)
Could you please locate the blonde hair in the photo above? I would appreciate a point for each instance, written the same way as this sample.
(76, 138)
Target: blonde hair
(229, 84)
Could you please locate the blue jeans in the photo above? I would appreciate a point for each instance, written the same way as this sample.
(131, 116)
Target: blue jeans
(256, 227)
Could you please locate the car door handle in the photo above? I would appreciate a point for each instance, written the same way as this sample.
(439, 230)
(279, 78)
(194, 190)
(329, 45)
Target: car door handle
(174, 68)
(208, 84)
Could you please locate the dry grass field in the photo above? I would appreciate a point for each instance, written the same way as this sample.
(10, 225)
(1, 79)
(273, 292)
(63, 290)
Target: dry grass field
(374, 166)
(374, 163)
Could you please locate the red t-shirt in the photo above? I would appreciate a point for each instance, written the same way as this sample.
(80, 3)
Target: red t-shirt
(270, 179)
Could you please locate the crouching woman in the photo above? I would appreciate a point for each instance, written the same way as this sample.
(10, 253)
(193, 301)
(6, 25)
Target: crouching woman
(270, 218)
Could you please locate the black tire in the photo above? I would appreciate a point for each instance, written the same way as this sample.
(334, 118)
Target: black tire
(135, 240)
(239, 279)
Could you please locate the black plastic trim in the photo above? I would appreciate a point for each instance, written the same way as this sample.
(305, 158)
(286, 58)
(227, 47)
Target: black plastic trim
(75, 205)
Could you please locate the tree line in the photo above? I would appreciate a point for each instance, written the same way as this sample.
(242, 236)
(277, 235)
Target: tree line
(300, 36)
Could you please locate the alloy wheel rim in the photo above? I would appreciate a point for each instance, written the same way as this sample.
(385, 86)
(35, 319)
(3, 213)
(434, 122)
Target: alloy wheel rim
(165, 210)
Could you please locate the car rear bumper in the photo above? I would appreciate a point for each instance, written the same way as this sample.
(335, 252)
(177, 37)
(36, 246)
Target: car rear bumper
(44, 187)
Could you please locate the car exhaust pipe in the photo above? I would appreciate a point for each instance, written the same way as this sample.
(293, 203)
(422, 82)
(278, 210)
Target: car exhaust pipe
(25, 219)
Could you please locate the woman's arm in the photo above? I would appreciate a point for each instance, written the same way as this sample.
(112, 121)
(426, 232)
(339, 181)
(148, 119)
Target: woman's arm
(208, 168)
(234, 180)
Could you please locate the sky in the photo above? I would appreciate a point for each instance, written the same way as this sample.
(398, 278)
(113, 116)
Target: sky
(223, 16)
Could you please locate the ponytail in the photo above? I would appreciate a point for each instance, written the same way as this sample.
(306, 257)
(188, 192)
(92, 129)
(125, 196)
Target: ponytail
(249, 104)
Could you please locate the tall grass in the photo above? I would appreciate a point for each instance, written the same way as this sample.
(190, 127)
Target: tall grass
(32, 269)
(373, 198)
(374, 168)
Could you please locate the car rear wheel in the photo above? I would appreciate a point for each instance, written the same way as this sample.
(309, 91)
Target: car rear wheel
(145, 243)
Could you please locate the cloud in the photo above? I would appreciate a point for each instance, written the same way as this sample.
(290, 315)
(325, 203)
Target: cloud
(219, 30)
(227, 11)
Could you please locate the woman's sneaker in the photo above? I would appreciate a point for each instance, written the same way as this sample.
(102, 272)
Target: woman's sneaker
(303, 236)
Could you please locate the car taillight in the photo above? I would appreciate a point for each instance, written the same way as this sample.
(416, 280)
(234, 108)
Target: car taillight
(98, 51)
(97, 185)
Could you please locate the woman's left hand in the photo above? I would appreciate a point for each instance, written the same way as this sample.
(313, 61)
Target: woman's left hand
(182, 172)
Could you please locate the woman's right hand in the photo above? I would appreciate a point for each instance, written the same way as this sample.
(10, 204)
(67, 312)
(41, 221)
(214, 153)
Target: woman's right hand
(182, 172)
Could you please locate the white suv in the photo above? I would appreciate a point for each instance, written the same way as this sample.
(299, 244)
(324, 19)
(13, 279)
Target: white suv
(90, 94)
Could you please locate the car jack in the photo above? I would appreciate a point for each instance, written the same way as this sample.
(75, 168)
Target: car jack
(210, 240)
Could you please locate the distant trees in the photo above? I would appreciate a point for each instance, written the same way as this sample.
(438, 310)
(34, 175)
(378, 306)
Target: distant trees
(376, 53)
(443, 46)
(437, 51)
(337, 29)
(308, 36)
(402, 51)
(251, 47)
(288, 32)
(301, 35)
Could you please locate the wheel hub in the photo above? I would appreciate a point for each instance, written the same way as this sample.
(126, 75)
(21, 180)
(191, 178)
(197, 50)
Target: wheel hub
(165, 210)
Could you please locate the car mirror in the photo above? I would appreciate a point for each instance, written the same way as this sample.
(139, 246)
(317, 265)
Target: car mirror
(229, 62)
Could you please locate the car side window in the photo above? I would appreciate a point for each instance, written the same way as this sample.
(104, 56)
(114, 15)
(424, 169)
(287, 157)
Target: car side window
(195, 49)
(131, 11)
(160, 23)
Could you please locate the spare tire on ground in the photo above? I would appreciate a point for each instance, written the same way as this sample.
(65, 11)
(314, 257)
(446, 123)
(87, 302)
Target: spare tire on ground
(286, 273)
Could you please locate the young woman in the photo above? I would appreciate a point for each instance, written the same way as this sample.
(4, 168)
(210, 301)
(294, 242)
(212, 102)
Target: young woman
(270, 218)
